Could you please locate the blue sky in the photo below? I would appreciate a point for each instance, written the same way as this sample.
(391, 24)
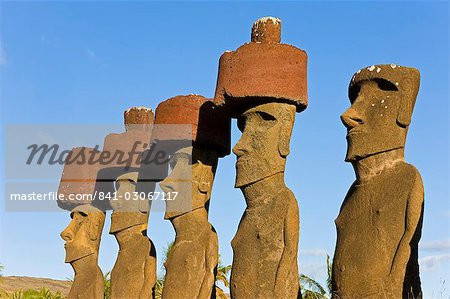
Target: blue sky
(86, 62)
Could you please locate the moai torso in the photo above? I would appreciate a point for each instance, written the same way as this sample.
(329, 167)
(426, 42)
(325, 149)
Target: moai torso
(193, 257)
(88, 281)
(380, 222)
(263, 84)
(265, 250)
(370, 228)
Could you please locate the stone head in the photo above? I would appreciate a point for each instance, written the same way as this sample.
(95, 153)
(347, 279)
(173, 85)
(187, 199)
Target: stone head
(264, 145)
(126, 197)
(382, 100)
(194, 153)
(83, 233)
(192, 177)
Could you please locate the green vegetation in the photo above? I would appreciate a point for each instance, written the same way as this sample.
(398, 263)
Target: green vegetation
(3, 293)
(43, 293)
(107, 279)
(311, 289)
(222, 276)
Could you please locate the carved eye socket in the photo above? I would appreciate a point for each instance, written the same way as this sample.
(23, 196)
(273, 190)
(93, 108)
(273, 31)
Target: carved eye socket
(83, 214)
(173, 162)
(382, 84)
(241, 123)
(266, 116)
(386, 85)
(132, 182)
(353, 92)
(182, 158)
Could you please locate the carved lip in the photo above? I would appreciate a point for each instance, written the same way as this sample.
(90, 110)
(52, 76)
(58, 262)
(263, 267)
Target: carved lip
(354, 131)
(241, 160)
(68, 244)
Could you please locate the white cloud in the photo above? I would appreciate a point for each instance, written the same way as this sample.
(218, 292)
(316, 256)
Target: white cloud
(313, 252)
(433, 262)
(313, 270)
(436, 245)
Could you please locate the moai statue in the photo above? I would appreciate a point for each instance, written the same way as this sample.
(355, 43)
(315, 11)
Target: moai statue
(263, 84)
(134, 272)
(380, 221)
(83, 234)
(192, 262)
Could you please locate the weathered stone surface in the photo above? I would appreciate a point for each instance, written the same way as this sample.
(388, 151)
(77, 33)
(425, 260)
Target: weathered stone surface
(138, 118)
(134, 272)
(209, 127)
(389, 89)
(192, 262)
(380, 221)
(266, 30)
(262, 71)
(263, 84)
(191, 265)
(82, 238)
(266, 243)
(78, 177)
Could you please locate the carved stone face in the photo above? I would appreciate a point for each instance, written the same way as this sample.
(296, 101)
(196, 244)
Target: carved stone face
(130, 208)
(371, 121)
(125, 187)
(264, 145)
(82, 235)
(192, 177)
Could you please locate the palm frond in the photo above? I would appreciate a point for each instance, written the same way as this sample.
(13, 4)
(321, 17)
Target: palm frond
(330, 274)
(158, 289)
(308, 294)
(309, 284)
(220, 294)
(222, 273)
(107, 282)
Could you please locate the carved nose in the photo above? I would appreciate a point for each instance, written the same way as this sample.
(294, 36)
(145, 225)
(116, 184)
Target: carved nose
(166, 185)
(240, 149)
(67, 235)
(351, 118)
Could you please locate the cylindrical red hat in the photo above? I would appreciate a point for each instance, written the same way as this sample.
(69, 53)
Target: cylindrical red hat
(205, 125)
(78, 178)
(262, 71)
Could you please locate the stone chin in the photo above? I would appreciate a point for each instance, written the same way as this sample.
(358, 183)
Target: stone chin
(74, 252)
(361, 146)
(248, 173)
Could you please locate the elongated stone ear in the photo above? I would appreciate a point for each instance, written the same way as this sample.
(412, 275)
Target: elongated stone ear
(203, 187)
(207, 159)
(411, 89)
(287, 117)
(94, 221)
(283, 143)
(93, 228)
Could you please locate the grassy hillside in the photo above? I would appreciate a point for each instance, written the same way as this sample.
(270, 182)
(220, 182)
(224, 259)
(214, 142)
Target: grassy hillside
(12, 283)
